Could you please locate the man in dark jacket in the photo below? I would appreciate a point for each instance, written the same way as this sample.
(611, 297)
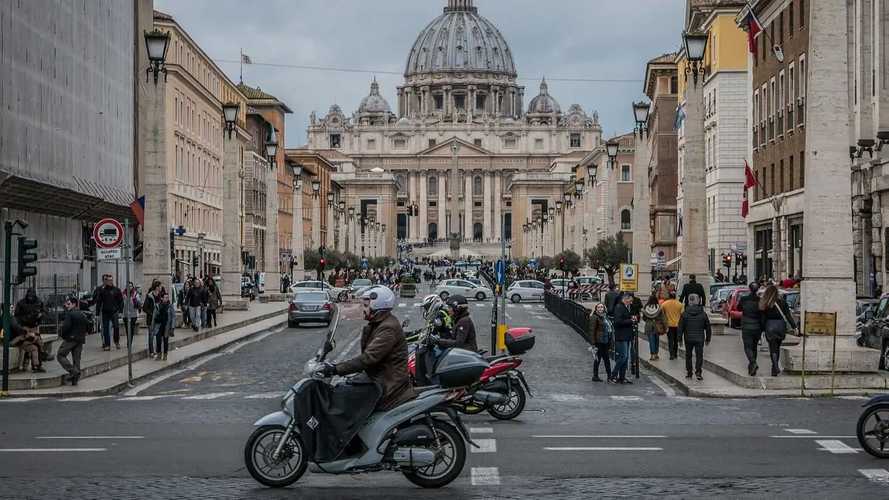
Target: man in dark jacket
(694, 327)
(692, 287)
(624, 329)
(194, 299)
(751, 327)
(383, 350)
(109, 304)
(463, 336)
(73, 335)
(611, 299)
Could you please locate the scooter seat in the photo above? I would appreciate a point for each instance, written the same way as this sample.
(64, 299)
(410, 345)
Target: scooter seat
(495, 358)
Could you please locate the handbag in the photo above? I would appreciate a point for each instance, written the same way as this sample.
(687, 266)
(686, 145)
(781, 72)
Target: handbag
(776, 329)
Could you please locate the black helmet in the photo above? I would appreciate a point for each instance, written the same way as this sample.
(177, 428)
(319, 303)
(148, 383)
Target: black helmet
(458, 301)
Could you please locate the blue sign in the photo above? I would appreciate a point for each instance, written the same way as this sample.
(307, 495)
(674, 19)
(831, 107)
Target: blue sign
(364, 264)
(500, 271)
(532, 263)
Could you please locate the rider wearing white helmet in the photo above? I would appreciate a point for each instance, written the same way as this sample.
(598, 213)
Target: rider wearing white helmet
(383, 350)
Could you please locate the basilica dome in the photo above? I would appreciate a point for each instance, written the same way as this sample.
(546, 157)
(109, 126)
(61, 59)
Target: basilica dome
(544, 103)
(460, 40)
(374, 102)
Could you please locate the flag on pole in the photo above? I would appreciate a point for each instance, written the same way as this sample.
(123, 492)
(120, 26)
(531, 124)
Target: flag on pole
(138, 208)
(749, 182)
(754, 28)
(245, 59)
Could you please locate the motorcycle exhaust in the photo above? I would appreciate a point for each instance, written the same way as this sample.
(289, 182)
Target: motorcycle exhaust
(490, 398)
(413, 457)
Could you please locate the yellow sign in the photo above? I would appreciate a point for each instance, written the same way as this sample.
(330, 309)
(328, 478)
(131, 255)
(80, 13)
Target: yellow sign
(629, 277)
(819, 323)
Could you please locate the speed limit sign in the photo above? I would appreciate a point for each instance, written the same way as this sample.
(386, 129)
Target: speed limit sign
(108, 233)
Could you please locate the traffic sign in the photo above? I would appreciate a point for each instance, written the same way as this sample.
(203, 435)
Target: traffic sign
(629, 277)
(108, 233)
(108, 253)
(500, 271)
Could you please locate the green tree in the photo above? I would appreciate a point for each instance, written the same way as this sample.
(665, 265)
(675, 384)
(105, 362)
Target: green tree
(608, 255)
(572, 260)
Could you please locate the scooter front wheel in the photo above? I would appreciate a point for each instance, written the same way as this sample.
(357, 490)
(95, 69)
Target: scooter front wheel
(873, 430)
(513, 406)
(451, 458)
(289, 466)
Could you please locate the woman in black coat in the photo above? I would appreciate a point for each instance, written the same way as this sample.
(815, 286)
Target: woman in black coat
(751, 326)
(776, 320)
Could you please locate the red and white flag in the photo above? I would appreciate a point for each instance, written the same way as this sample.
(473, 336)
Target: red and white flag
(749, 182)
(754, 28)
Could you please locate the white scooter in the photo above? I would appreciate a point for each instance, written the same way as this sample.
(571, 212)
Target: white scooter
(336, 428)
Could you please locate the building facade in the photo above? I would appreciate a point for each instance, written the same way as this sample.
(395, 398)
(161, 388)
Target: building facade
(778, 90)
(459, 133)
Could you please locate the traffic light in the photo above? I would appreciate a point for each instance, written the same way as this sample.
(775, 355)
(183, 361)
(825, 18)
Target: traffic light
(562, 263)
(321, 264)
(194, 261)
(727, 261)
(27, 259)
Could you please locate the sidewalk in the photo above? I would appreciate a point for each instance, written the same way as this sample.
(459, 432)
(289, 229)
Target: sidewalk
(725, 373)
(106, 371)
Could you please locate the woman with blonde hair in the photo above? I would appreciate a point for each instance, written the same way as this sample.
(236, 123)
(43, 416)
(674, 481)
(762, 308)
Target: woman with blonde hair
(777, 320)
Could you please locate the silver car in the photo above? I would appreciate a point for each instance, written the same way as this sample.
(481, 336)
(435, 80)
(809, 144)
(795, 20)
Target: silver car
(462, 287)
(332, 292)
(310, 306)
(525, 290)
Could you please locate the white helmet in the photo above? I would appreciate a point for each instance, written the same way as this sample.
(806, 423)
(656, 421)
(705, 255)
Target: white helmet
(431, 304)
(380, 297)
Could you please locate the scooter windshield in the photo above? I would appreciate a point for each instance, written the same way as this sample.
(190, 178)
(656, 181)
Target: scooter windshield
(314, 363)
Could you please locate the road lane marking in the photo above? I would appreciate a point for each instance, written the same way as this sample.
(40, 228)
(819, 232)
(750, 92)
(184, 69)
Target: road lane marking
(48, 450)
(485, 446)
(668, 391)
(835, 446)
(481, 430)
(590, 436)
(265, 395)
(254, 340)
(800, 431)
(146, 398)
(402, 305)
(527, 306)
(854, 398)
(89, 437)
(485, 476)
(876, 475)
(19, 400)
(83, 398)
(626, 398)
(601, 448)
(212, 395)
(566, 397)
(813, 437)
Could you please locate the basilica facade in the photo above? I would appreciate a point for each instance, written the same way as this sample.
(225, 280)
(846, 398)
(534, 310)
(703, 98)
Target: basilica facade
(459, 138)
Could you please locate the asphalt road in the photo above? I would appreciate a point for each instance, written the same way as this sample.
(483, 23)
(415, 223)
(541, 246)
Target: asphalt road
(183, 436)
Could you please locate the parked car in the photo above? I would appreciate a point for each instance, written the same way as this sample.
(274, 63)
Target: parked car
(310, 306)
(589, 280)
(332, 292)
(359, 283)
(728, 307)
(462, 287)
(720, 296)
(715, 287)
(865, 309)
(525, 290)
(875, 332)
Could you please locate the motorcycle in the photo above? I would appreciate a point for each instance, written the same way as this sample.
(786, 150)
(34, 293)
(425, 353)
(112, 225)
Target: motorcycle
(423, 438)
(873, 427)
(501, 390)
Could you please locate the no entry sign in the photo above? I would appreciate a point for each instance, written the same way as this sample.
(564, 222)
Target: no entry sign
(108, 233)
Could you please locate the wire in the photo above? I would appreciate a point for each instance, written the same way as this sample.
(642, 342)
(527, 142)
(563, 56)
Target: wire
(375, 72)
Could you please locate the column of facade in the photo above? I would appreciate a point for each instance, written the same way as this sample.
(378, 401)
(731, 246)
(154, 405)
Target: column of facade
(467, 205)
(353, 235)
(328, 241)
(427, 101)
(409, 99)
(272, 250)
(446, 100)
(411, 198)
(423, 218)
(693, 245)
(341, 229)
(232, 179)
(640, 214)
(316, 222)
(297, 243)
(487, 229)
(157, 260)
(442, 206)
(498, 202)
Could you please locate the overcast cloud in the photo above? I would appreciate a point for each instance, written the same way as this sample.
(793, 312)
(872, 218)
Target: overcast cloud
(556, 38)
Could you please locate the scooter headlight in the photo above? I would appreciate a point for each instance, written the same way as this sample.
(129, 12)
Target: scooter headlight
(287, 403)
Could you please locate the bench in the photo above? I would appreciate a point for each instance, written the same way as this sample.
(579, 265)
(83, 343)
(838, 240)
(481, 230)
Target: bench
(48, 341)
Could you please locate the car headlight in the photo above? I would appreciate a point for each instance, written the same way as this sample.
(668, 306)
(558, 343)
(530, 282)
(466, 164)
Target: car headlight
(287, 403)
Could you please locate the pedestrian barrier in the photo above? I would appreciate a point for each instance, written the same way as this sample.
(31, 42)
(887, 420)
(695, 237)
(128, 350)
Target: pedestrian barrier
(571, 313)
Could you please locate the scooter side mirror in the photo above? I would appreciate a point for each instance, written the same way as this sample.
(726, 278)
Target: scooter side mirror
(405, 323)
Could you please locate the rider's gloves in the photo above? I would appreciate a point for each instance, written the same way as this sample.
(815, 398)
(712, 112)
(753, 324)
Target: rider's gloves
(327, 370)
(435, 339)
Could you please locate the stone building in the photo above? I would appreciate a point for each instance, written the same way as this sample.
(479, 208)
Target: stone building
(67, 129)
(661, 85)
(778, 87)
(611, 196)
(459, 134)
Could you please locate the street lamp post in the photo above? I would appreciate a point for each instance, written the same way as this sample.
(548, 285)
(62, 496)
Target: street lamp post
(157, 43)
(641, 226)
(561, 214)
(297, 243)
(611, 148)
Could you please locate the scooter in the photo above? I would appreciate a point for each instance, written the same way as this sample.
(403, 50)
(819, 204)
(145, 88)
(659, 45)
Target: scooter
(873, 427)
(413, 438)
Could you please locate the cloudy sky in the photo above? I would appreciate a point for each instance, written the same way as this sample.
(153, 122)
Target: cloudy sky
(588, 39)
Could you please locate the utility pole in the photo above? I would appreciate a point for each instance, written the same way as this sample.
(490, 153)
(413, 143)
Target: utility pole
(130, 326)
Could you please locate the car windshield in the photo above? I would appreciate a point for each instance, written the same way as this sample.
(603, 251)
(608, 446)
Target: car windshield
(882, 308)
(792, 300)
(311, 297)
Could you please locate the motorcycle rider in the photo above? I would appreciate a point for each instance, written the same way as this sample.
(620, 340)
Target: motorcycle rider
(383, 350)
(463, 334)
(437, 315)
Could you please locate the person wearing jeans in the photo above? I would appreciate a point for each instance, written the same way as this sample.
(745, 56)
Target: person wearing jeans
(600, 331)
(132, 304)
(109, 304)
(624, 330)
(194, 299)
(672, 311)
(655, 325)
(164, 322)
(694, 326)
(73, 335)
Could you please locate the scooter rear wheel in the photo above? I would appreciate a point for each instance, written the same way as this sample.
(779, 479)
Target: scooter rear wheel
(873, 430)
(450, 463)
(275, 473)
(513, 406)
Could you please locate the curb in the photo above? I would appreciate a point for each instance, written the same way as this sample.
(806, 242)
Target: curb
(143, 355)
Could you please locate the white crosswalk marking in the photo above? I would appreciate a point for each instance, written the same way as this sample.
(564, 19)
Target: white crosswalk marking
(145, 398)
(485, 476)
(83, 398)
(481, 430)
(601, 448)
(527, 306)
(876, 475)
(484, 446)
(212, 395)
(800, 431)
(265, 395)
(402, 305)
(19, 400)
(835, 446)
(626, 398)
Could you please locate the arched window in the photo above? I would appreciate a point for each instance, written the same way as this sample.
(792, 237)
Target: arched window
(477, 185)
(432, 185)
(626, 219)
